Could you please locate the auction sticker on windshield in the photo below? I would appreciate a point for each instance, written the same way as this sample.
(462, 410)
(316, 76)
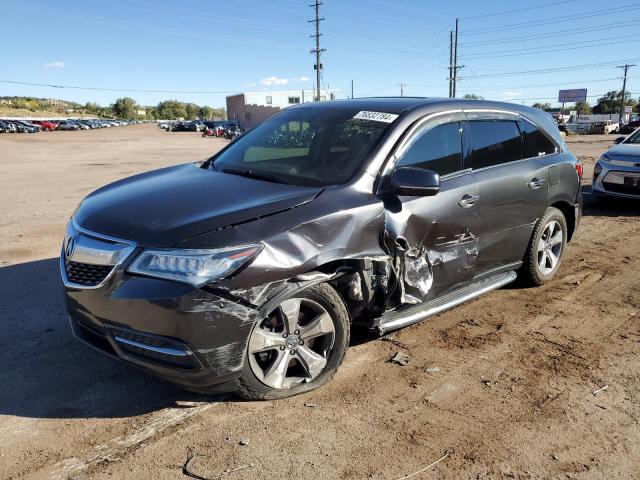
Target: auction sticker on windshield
(376, 116)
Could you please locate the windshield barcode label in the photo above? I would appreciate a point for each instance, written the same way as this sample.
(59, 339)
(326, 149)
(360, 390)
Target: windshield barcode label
(376, 116)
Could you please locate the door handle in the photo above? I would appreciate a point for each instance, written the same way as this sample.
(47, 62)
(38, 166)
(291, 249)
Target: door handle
(468, 200)
(536, 183)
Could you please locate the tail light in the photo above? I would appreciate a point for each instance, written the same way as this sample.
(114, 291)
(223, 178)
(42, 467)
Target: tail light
(579, 169)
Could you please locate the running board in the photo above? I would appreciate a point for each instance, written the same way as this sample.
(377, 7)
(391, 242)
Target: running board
(410, 315)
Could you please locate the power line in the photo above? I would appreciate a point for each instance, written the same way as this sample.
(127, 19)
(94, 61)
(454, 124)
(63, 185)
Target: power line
(554, 84)
(537, 51)
(101, 89)
(538, 47)
(563, 33)
(507, 12)
(555, 19)
(548, 70)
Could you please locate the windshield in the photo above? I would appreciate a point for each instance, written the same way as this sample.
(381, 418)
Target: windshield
(303, 146)
(634, 137)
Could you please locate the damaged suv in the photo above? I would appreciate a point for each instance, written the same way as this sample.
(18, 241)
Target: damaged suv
(247, 272)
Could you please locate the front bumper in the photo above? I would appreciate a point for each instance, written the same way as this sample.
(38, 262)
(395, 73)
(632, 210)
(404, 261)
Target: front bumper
(174, 331)
(609, 181)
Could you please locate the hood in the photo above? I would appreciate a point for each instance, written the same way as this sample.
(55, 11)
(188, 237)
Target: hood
(164, 207)
(627, 150)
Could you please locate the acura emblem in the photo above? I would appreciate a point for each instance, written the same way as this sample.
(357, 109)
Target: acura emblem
(71, 246)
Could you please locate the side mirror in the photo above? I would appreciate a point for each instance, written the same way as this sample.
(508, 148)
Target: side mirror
(414, 182)
(618, 140)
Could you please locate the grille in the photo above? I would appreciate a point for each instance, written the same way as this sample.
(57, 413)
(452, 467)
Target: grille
(85, 274)
(616, 187)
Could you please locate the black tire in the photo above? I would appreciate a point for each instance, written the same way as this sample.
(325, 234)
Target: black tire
(531, 272)
(251, 387)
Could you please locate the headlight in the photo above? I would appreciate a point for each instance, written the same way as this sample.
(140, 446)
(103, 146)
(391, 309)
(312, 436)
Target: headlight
(197, 267)
(596, 171)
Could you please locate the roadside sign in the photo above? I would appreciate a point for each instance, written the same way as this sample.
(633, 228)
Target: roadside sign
(628, 108)
(574, 95)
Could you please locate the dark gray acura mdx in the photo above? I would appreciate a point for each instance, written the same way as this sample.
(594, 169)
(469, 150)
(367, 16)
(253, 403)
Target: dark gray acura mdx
(247, 272)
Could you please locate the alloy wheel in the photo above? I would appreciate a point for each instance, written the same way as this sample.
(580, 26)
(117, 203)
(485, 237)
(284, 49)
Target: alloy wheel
(550, 247)
(292, 345)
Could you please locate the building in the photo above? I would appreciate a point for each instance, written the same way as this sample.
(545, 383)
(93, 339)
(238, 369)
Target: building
(251, 108)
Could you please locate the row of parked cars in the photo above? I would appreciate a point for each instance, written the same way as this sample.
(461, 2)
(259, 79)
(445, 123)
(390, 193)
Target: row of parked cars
(229, 129)
(34, 126)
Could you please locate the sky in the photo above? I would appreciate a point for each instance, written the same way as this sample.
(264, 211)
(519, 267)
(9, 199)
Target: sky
(201, 51)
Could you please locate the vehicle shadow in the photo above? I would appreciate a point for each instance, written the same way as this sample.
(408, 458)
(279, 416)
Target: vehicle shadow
(48, 374)
(610, 207)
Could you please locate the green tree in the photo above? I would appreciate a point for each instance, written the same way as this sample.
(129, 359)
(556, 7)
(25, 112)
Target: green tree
(610, 102)
(125, 107)
(542, 106)
(583, 108)
(472, 96)
(206, 113)
(171, 110)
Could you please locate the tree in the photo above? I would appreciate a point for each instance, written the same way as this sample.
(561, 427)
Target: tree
(192, 110)
(610, 102)
(473, 96)
(171, 110)
(205, 113)
(542, 106)
(583, 108)
(125, 107)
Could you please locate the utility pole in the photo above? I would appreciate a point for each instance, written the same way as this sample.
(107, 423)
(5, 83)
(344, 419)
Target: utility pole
(402, 85)
(450, 64)
(352, 89)
(624, 91)
(317, 50)
(455, 60)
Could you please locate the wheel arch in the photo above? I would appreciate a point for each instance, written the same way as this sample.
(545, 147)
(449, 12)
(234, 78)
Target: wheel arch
(569, 213)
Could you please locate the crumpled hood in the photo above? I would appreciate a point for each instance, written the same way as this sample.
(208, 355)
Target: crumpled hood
(164, 207)
(625, 151)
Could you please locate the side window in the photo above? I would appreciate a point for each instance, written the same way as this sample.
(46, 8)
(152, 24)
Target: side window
(438, 149)
(494, 142)
(536, 143)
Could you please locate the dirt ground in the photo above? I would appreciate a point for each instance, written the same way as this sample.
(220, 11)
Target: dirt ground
(503, 387)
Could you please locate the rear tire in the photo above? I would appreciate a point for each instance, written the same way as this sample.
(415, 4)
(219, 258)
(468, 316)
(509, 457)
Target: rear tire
(546, 248)
(315, 327)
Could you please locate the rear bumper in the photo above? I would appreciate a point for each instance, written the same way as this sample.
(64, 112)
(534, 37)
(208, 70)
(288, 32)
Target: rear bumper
(174, 331)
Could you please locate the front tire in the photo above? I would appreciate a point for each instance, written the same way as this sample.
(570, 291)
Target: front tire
(546, 248)
(298, 347)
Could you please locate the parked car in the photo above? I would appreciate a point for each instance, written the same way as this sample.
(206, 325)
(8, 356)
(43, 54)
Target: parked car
(7, 127)
(46, 125)
(630, 126)
(392, 211)
(617, 171)
(67, 125)
(27, 127)
(606, 127)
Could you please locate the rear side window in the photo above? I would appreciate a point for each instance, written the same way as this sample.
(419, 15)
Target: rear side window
(494, 142)
(438, 149)
(536, 143)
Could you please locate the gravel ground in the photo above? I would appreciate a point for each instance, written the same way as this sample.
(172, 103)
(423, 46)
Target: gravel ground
(503, 386)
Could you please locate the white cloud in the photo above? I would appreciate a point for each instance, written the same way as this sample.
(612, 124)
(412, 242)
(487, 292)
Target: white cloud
(269, 81)
(56, 64)
(274, 81)
(510, 95)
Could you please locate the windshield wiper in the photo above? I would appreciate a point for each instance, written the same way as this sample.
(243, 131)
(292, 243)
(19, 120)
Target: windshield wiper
(256, 175)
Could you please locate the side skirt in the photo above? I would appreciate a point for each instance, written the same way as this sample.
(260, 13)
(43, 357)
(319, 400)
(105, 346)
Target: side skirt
(408, 316)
